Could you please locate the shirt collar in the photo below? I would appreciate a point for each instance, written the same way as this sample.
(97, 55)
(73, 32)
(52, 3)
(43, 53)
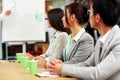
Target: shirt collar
(103, 38)
(79, 34)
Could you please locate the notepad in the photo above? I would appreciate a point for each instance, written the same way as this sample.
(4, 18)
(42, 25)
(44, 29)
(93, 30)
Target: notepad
(46, 74)
(41, 68)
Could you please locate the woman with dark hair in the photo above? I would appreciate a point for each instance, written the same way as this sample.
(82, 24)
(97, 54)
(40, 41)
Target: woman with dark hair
(79, 43)
(54, 20)
(58, 40)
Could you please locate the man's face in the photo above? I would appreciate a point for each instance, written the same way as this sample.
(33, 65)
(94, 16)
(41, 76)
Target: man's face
(93, 18)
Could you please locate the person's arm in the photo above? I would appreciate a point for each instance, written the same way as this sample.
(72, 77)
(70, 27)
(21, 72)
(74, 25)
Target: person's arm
(109, 66)
(55, 65)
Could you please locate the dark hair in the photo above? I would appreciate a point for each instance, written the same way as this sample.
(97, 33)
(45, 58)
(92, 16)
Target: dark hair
(109, 10)
(55, 18)
(78, 10)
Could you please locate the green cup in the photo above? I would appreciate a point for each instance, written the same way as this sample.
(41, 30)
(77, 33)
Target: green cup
(24, 61)
(18, 56)
(33, 67)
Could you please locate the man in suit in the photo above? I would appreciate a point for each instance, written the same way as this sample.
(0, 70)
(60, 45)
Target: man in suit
(104, 63)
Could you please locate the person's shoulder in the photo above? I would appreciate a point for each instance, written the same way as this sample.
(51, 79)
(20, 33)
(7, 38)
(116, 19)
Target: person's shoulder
(87, 35)
(63, 34)
(116, 31)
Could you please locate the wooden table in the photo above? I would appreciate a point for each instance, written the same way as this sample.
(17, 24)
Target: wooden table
(14, 71)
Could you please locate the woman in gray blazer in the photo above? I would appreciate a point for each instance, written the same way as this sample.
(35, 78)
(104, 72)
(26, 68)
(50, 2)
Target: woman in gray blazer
(79, 43)
(104, 63)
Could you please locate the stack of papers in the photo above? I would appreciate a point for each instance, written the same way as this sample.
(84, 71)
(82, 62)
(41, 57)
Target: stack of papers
(41, 68)
(46, 74)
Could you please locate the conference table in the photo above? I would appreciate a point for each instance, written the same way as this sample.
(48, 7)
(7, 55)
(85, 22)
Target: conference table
(10, 70)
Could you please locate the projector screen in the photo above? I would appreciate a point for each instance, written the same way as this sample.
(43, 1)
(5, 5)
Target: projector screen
(26, 22)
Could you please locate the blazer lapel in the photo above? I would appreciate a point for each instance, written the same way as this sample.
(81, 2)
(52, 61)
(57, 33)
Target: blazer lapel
(74, 47)
(71, 50)
(107, 42)
(97, 52)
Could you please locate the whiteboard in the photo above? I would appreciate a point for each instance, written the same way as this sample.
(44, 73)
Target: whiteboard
(26, 23)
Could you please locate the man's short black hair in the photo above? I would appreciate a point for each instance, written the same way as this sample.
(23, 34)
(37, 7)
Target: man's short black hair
(109, 10)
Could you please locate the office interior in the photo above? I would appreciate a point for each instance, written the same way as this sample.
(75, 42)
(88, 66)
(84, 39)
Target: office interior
(17, 48)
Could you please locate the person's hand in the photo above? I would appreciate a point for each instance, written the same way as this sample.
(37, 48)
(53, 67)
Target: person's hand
(52, 63)
(55, 66)
(41, 62)
(55, 61)
(7, 13)
(29, 56)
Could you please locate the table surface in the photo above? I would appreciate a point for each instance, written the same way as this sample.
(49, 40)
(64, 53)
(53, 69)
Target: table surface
(14, 71)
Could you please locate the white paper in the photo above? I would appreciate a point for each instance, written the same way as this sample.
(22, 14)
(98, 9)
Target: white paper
(41, 68)
(46, 74)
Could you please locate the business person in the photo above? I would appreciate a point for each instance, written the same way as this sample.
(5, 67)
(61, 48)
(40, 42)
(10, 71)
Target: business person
(58, 40)
(104, 63)
(79, 42)
(4, 14)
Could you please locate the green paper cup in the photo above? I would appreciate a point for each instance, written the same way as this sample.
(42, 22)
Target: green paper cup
(33, 67)
(18, 56)
(24, 61)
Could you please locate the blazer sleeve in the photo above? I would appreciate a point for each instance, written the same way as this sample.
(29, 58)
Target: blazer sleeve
(88, 62)
(82, 50)
(105, 69)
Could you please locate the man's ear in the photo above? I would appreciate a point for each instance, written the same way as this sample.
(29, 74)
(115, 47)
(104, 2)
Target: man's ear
(98, 18)
(72, 17)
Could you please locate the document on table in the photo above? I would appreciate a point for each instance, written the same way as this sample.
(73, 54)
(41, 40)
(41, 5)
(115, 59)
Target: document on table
(41, 68)
(46, 74)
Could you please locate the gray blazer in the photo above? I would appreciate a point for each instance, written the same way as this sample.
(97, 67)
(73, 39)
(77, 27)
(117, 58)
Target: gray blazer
(80, 51)
(101, 67)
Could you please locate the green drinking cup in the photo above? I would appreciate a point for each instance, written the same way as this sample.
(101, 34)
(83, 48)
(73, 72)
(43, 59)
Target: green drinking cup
(33, 67)
(18, 56)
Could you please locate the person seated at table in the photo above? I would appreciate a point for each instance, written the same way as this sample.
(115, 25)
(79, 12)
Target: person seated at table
(104, 63)
(79, 43)
(58, 40)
